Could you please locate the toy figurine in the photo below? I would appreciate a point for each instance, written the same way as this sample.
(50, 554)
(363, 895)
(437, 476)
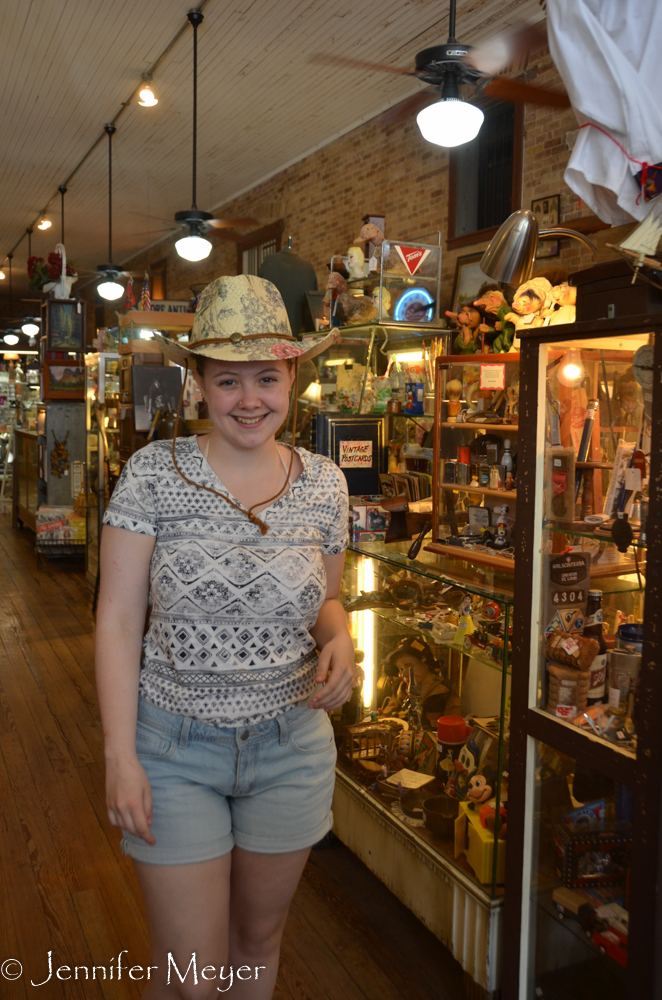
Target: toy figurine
(470, 322)
(529, 305)
(464, 769)
(356, 263)
(482, 786)
(465, 625)
(383, 299)
(491, 300)
(454, 392)
(564, 309)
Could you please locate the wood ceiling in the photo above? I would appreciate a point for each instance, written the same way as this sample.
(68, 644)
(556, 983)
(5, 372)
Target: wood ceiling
(68, 66)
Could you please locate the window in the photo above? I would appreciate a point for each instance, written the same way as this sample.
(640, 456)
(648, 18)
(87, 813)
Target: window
(485, 176)
(252, 249)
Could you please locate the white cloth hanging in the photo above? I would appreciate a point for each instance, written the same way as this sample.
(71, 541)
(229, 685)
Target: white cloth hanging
(609, 56)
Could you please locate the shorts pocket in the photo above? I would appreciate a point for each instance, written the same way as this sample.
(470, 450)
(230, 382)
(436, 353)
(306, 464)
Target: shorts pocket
(151, 744)
(314, 735)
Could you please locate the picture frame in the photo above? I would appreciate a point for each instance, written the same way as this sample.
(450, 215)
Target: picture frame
(63, 379)
(64, 324)
(547, 211)
(155, 387)
(468, 281)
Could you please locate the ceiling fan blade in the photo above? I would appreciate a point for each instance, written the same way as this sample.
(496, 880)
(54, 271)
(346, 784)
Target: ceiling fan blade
(332, 60)
(409, 107)
(507, 48)
(230, 223)
(507, 89)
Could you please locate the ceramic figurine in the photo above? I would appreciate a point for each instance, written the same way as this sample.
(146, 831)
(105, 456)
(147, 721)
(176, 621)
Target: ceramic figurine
(393, 455)
(465, 625)
(529, 305)
(356, 264)
(385, 298)
(392, 263)
(454, 393)
(355, 310)
(565, 304)
(492, 301)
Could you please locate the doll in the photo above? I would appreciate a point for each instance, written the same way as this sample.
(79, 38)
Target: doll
(564, 309)
(470, 322)
(491, 300)
(529, 305)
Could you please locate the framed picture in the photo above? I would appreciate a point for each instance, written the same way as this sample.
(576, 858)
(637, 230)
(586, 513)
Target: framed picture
(64, 325)
(155, 387)
(63, 380)
(548, 213)
(468, 280)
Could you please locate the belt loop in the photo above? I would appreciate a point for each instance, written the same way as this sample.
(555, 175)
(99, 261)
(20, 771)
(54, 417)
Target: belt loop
(284, 730)
(183, 735)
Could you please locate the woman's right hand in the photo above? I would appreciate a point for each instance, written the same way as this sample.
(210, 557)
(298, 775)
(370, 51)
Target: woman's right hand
(129, 797)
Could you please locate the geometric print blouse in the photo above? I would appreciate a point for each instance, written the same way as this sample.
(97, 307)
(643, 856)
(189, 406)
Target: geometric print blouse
(228, 641)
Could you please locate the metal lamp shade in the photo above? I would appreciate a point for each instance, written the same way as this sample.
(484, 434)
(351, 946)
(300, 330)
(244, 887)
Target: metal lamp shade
(509, 257)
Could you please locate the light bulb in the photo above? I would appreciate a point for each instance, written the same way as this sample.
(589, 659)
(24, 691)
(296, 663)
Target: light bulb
(147, 99)
(44, 223)
(571, 371)
(110, 290)
(193, 247)
(2, 275)
(30, 328)
(146, 334)
(450, 122)
(11, 338)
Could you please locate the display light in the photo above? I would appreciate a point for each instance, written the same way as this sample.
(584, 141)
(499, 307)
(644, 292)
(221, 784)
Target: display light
(11, 339)
(572, 370)
(408, 356)
(451, 121)
(2, 275)
(44, 223)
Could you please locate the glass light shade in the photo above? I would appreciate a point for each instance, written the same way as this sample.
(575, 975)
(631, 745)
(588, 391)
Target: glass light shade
(193, 247)
(11, 338)
(110, 290)
(45, 224)
(147, 99)
(30, 328)
(450, 122)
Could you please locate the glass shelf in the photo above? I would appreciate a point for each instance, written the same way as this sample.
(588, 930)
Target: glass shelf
(460, 425)
(496, 585)
(581, 529)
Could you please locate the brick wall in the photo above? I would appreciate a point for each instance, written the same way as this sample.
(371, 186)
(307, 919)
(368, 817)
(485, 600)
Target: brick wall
(390, 169)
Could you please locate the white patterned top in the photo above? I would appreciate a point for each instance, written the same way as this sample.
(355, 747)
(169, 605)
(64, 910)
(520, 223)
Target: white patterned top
(228, 641)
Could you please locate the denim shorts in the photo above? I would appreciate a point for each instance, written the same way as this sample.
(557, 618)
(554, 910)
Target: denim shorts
(266, 787)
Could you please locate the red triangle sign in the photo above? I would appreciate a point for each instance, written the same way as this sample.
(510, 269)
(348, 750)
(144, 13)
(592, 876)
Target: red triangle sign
(413, 257)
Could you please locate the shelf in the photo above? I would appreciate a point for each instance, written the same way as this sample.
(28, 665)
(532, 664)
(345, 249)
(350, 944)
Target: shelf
(584, 530)
(484, 581)
(475, 359)
(461, 425)
(455, 487)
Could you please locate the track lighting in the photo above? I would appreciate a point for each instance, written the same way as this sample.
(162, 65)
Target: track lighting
(2, 275)
(146, 95)
(44, 223)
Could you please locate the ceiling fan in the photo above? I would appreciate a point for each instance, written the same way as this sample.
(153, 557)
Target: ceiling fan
(194, 246)
(443, 116)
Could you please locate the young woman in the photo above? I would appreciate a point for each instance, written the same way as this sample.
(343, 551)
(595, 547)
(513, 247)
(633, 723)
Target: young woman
(219, 751)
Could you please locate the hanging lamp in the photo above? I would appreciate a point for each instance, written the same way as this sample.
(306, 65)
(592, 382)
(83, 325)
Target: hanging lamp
(110, 288)
(62, 189)
(194, 246)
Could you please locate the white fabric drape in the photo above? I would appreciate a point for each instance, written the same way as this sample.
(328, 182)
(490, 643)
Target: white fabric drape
(609, 55)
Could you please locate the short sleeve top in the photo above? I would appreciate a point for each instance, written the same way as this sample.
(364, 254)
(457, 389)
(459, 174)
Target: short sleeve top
(228, 641)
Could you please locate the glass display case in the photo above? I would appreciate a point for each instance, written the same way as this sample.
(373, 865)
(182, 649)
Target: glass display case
(475, 458)
(433, 645)
(585, 767)
(102, 387)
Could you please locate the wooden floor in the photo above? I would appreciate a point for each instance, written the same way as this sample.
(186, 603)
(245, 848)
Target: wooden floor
(65, 887)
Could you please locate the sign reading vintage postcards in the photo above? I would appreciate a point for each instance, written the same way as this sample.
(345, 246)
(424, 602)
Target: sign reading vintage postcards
(355, 455)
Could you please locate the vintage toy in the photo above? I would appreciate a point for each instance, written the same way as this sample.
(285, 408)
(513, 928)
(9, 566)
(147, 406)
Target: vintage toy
(591, 858)
(530, 301)
(492, 301)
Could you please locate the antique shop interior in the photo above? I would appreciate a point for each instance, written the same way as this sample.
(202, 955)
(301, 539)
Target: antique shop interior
(442, 185)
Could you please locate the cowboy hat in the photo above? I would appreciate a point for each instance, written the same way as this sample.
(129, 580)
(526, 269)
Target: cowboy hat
(243, 318)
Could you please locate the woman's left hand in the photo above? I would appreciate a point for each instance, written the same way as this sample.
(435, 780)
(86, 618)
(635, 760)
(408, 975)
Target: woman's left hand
(335, 669)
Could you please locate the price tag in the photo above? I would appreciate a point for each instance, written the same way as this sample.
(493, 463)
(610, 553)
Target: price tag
(492, 377)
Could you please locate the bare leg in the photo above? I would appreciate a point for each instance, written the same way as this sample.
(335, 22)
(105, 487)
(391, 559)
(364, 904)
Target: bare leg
(262, 890)
(188, 913)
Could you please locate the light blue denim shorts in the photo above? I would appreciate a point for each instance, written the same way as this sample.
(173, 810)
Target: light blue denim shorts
(266, 787)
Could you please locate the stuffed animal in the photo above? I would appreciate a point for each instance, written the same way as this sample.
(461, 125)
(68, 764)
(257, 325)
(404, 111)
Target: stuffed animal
(529, 305)
(564, 309)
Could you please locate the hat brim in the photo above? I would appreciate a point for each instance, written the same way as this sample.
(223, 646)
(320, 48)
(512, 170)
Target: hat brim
(262, 349)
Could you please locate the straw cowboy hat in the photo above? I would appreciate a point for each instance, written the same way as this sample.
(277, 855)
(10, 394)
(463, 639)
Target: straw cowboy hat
(242, 318)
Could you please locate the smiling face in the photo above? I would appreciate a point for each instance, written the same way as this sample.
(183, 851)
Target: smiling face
(248, 400)
(421, 669)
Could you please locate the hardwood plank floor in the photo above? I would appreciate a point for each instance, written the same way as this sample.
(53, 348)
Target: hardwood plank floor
(65, 886)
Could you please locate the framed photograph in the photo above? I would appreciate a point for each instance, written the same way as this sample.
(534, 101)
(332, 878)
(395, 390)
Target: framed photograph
(547, 211)
(469, 279)
(155, 387)
(63, 380)
(64, 325)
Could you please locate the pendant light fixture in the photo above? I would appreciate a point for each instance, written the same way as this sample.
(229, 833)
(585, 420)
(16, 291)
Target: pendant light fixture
(62, 189)
(44, 223)
(110, 288)
(146, 95)
(11, 339)
(194, 246)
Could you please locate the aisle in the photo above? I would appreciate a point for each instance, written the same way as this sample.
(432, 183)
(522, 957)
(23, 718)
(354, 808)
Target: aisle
(65, 887)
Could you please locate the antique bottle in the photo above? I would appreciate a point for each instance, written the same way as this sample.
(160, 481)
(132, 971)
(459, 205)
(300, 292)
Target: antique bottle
(593, 628)
(507, 458)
